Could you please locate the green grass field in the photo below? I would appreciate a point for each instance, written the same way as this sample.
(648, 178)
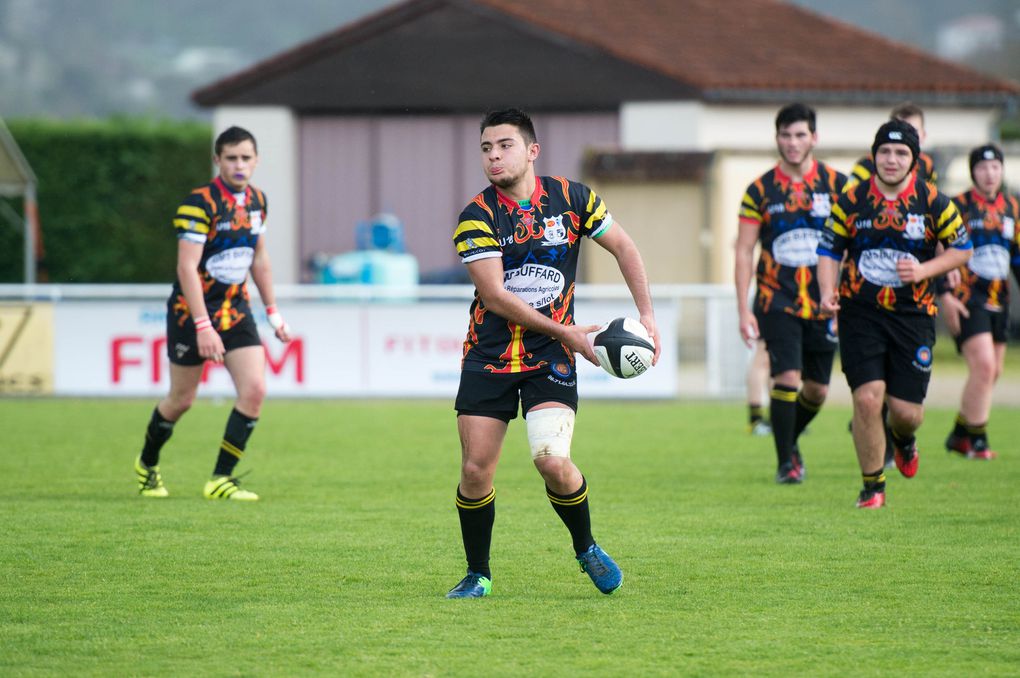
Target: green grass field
(341, 569)
(949, 360)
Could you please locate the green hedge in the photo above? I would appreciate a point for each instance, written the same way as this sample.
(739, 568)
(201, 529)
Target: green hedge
(107, 193)
(1010, 128)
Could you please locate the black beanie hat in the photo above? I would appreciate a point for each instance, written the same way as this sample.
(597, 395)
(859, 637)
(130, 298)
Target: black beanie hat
(986, 152)
(898, 132)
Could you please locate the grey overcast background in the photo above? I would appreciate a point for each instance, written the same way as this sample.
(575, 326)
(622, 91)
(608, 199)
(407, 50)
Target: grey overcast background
(96, 58)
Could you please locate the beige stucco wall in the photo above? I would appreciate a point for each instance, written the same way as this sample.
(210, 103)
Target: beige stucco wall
(697, 126)
(665, 219)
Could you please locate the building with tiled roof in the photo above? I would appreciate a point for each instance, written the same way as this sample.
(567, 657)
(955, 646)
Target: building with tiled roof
(381, 114)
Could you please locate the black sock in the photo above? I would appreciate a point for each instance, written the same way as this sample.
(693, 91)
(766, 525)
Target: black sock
(874, 482)
(235, 438)
(783, 410)
(806, 411)
(978, 434)
(755, 414)
(573, 511)
(902, 442)
(156, 435)
(476, 519)
(960, 427)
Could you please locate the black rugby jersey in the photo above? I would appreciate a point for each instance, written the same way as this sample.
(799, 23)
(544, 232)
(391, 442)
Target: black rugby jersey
(539, 246)
(876, 233)
(790, 215)
(865, 168)
(993, 233)
(228, 226)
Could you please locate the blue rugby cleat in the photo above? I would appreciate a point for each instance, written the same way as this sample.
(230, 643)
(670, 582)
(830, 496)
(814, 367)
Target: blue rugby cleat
(473, 585)
(602, 569)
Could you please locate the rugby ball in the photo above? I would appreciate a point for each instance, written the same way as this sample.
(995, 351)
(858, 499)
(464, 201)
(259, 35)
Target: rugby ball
(623, 348)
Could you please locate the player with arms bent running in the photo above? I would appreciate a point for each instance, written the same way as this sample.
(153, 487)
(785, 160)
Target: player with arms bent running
(520, 239)
(219, 228)
(888, 227)
(977, 307)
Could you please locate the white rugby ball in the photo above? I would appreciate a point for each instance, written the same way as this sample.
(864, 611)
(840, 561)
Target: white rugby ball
(623, 348)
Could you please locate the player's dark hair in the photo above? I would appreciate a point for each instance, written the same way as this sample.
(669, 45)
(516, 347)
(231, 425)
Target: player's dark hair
(511, 116)
(907, 110)
(792, 113)
(233, 136)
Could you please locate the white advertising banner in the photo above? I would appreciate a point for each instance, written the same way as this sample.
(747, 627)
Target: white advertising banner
(414, 350)
(118, 348)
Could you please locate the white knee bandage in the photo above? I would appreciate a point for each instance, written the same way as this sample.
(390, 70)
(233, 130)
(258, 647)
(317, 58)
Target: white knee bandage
(550, 431)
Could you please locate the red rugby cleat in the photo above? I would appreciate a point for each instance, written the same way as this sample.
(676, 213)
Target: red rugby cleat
(871, 499)
(907, 460)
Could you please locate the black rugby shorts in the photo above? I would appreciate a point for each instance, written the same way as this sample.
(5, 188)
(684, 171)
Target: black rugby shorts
(889, 346)
(793, 343)
(498, 395)
(182, 345)
(982, 320)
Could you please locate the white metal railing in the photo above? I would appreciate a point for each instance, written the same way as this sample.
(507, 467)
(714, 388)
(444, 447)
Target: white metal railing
(55, 292)
(712, 358)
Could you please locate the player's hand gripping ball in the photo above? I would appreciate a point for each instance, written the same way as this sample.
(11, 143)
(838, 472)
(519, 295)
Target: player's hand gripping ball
(623, 347)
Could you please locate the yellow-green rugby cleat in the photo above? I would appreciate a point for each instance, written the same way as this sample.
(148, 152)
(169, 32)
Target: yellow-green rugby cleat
(227, 487)
(150, 481)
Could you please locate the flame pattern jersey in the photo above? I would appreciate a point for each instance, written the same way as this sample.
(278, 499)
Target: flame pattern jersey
(538, 244)
(790, 215)
(996, 240)
(228, 226)
(875, 233)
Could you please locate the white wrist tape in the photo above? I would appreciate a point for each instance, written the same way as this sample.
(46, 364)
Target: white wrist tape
(274, 317)
(550, 431)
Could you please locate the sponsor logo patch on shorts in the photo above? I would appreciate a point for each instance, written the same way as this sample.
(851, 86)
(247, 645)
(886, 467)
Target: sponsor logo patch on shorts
(562, 373)
(832, 331)
(922, 358)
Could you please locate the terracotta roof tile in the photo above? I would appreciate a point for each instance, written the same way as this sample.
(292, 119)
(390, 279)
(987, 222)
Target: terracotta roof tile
(721, 50)
(748, 44)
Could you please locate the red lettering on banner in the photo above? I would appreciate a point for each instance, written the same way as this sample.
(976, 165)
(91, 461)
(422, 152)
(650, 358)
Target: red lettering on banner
(422, 344)
(294, 349)
(158, 355)
(451, 345)
(117, 360)
(122, 359)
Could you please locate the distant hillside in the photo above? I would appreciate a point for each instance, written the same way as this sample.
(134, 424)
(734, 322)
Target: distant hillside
(75, 58)
(94, 58)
